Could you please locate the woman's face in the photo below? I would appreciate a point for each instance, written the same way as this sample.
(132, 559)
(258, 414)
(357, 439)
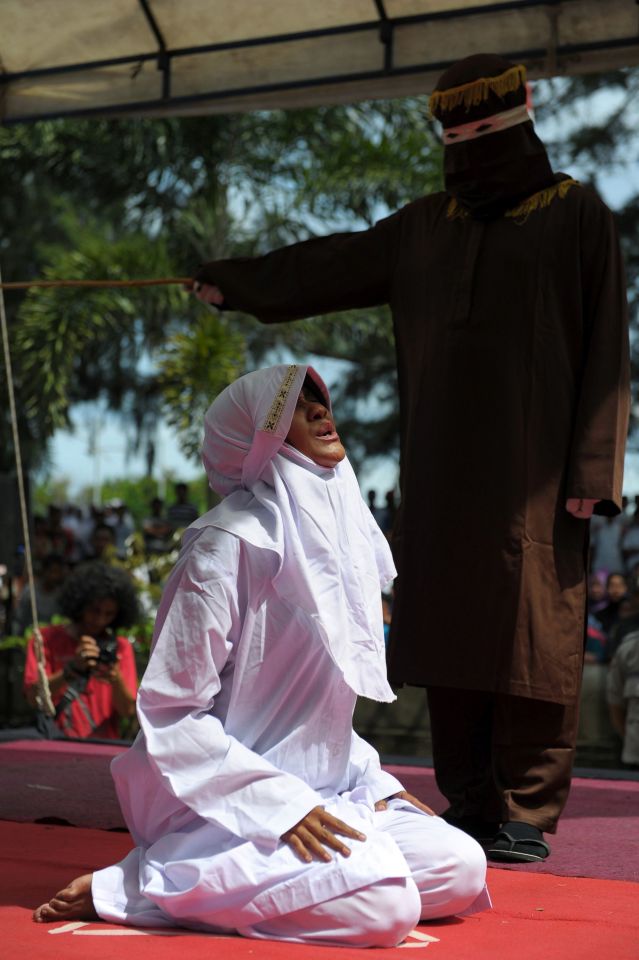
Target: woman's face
(616, 586)
(98, 615)
(313, 433)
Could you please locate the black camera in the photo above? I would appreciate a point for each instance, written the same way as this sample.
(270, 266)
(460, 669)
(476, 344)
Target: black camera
(108, 644)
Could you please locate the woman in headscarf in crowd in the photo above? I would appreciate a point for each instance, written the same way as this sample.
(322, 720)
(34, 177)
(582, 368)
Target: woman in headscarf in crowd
(597, 596)
(616, 593)
(254, 806)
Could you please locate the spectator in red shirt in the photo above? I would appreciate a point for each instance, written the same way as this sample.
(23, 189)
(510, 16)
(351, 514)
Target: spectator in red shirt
(91, 669)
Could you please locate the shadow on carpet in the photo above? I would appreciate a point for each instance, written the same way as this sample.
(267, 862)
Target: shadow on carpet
(598, 834)
(59, 781)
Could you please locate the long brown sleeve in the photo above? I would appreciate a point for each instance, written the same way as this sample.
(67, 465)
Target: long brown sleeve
(337, 272)
(601, 425)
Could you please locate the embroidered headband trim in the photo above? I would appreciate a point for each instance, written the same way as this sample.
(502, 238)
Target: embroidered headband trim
(274, 415)
(471, 94)
(492, 124)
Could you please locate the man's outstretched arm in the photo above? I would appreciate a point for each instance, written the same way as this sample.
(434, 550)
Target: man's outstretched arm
(338, 272)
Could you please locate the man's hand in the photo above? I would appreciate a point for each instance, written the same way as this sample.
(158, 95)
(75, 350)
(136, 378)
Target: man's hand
(207, 293)
(315, 832)
(108, 672)
(405, 795)
(582, 509)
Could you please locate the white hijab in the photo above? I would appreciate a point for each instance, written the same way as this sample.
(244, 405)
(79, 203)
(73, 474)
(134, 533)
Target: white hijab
(333, 559)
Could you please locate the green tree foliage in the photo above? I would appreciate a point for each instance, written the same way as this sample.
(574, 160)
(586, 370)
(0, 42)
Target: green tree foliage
(53, 491)
(195, 365)
(137, 493)
(97, 199)
(155, 197)
(129, 197)
(82, 344)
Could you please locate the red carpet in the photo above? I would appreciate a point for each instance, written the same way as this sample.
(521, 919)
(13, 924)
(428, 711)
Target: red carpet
(535, 916)
(580, 904)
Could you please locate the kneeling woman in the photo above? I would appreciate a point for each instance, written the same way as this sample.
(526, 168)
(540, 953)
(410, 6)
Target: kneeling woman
(254, 806)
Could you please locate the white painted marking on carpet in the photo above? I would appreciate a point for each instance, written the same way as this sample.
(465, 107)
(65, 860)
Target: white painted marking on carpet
(420, 935)
(127, 933)
(70, 927)
(75, 928)
(417, 939)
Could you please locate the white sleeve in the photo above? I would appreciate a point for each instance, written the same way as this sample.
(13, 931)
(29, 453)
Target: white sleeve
(365, 771)
(211, 772)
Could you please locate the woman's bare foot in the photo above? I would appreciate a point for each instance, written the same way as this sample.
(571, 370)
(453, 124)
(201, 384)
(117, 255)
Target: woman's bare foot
(73, 903)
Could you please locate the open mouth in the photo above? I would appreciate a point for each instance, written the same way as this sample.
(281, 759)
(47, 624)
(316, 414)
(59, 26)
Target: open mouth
(327, 432)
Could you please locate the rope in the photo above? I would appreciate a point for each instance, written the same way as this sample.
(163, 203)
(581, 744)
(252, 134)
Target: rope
(24, 284)
(43, 694)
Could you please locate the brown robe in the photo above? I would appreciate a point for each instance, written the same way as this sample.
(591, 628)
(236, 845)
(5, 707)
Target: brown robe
(512, 350)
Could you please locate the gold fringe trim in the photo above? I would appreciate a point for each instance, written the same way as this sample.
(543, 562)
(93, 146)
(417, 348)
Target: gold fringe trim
(274, 415)
(520, 213)
(540, 200)
(455, 211)
(473, 93)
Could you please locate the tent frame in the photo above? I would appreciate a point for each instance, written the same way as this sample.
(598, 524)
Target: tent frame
(384, 25)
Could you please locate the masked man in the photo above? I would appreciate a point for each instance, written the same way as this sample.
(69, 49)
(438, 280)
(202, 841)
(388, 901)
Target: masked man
(508, 301)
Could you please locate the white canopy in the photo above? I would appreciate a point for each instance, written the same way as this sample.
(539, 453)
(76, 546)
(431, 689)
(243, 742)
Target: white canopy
(84, 57)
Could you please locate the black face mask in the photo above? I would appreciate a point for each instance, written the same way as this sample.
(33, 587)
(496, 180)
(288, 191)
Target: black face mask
(493, 173)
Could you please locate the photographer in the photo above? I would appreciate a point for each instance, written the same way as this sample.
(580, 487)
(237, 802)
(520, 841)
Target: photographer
(91, 670)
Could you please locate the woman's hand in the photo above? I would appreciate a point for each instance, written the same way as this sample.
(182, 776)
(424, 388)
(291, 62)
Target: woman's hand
(316, 832)
(404, 795)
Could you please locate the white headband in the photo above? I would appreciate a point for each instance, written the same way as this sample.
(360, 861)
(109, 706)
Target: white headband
(491, 124)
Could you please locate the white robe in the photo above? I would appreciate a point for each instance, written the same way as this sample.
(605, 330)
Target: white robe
(246, 725)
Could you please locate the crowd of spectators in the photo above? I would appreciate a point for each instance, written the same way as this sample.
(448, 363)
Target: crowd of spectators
(85, 595)
(68, 543)
(385, 516)
(68, 535)
(612, 642)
